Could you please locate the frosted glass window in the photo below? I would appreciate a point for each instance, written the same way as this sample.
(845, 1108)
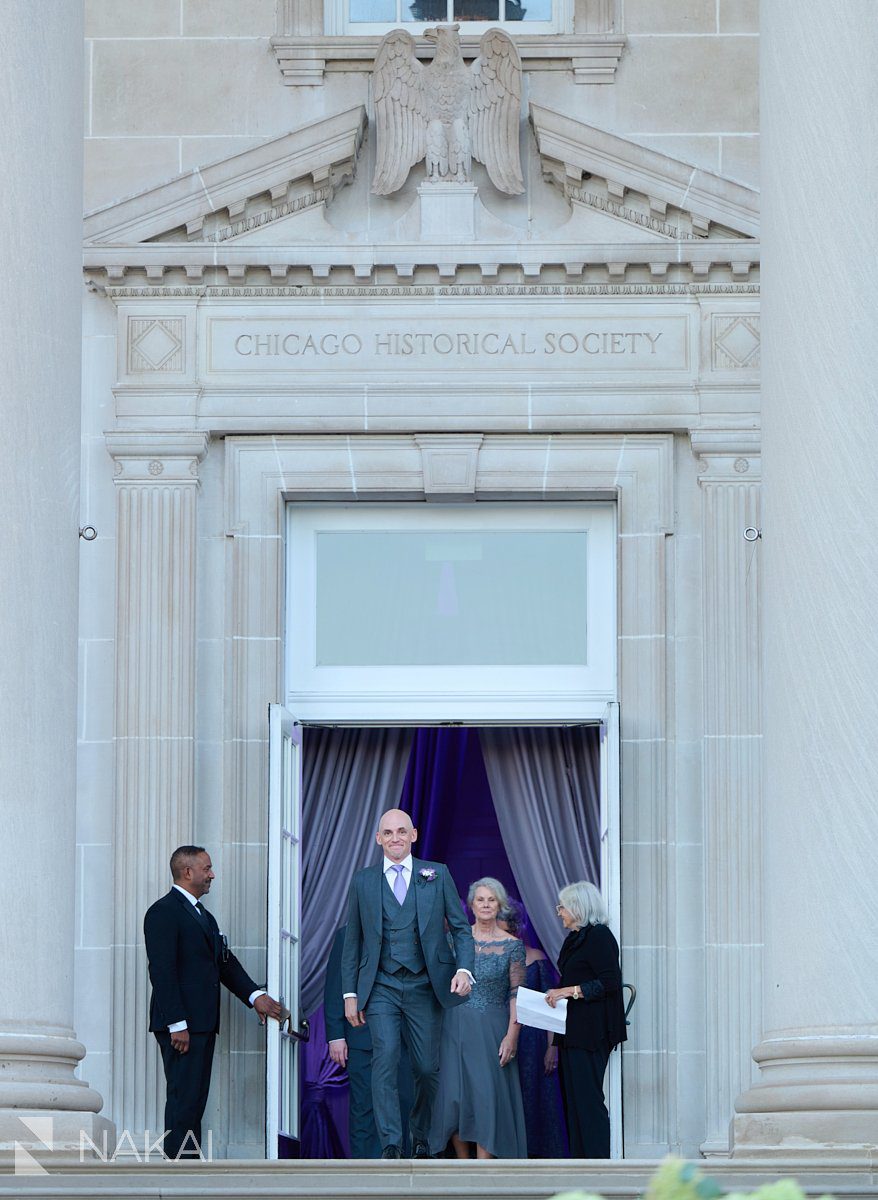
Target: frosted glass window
(396, 598)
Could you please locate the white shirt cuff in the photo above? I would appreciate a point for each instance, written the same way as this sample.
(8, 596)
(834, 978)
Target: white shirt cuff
(177, 1027)
(253, 995)
(472, 977)
(349, 995)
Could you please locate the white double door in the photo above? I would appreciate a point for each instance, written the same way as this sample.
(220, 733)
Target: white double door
(284, 912)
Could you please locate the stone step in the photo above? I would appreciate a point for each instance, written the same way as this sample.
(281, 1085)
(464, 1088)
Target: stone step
(433, 1180)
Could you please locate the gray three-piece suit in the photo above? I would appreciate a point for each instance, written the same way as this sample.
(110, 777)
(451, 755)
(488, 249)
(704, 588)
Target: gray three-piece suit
(399, 961)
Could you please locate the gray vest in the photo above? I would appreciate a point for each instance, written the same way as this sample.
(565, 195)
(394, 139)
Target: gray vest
(400, 939)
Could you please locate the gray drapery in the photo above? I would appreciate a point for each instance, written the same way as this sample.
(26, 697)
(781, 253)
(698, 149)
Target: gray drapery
(351, 776)
(546, 785)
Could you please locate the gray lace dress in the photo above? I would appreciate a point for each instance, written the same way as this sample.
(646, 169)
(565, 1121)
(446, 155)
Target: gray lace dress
(477, 1098)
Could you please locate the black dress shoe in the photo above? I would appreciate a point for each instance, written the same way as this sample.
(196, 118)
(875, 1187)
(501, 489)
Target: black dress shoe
(421, 1150)
(391, 1152)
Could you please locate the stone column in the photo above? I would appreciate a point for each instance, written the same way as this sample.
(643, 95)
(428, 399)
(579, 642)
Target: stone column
(40, 306)
(729, 474)
(157, 484)
(818, 1087)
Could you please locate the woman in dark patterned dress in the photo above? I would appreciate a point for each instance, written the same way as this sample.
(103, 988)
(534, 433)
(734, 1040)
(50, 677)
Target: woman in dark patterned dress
(478, 1105)
(537, 1057)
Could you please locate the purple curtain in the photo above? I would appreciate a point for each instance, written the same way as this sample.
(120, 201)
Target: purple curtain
(542, 819)
(432, 783)
(546, 784)
(324, 1121)
(447, 793)
(351, 776)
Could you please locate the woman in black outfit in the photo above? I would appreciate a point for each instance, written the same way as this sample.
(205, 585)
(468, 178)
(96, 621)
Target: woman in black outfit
(591, 982)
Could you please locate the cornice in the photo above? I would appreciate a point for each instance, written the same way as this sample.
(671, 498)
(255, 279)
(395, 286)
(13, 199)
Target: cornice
(593, 58)
(177, 264)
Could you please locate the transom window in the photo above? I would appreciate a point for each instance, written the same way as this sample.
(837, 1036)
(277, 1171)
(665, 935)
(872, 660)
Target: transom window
(534, 16)
(471, 608)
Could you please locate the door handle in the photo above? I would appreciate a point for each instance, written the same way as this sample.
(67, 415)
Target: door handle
(633, 990)
(302, 1034)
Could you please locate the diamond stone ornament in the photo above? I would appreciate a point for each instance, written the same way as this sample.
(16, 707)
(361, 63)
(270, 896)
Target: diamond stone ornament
(157, 345)
(740, 341)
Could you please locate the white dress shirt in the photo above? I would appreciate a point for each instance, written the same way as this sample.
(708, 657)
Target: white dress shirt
(193, 900)
(390, 874)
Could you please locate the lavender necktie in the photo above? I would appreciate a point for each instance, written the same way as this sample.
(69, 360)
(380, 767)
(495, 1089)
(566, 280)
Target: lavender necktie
(399, 888)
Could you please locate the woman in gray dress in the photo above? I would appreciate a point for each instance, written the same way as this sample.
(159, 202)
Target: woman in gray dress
(478, 1106)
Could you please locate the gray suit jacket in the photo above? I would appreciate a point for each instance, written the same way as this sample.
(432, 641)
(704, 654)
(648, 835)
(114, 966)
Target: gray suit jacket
(437, 902)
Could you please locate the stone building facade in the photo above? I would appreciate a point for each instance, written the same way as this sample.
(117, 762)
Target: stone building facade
(259, 327)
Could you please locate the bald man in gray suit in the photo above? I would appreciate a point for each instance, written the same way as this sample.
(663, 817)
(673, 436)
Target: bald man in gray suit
(400, 971)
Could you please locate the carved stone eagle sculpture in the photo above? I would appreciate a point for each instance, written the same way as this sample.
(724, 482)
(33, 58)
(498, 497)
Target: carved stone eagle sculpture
(445, 112)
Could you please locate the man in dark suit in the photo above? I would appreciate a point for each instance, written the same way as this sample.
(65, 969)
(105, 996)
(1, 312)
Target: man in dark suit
(188, 960)
(351, 1049)
(400, 971)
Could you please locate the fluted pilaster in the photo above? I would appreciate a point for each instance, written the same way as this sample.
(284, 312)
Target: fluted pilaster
(730, 488)
(157, 484)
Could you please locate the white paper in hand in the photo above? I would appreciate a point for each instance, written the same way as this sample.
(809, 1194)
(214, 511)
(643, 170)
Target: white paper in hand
(531, 1009)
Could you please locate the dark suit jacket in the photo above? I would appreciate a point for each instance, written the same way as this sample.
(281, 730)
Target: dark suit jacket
(437, 902)
(186, 967)
(333, 1002)
(599, 1024)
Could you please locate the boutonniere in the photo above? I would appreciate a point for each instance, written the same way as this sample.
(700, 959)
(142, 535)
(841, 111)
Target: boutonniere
(427, 874)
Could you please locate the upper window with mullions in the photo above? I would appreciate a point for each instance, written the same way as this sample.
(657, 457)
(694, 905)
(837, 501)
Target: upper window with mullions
(536, 16)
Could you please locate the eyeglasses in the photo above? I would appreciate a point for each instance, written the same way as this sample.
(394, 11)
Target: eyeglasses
(559, 908)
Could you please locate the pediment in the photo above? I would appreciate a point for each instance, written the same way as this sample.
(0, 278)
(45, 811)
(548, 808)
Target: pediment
(638, 186)
(264, 218)
(279, 178)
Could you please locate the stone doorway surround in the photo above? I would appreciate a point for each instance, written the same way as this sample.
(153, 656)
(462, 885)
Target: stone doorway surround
(261, 474)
